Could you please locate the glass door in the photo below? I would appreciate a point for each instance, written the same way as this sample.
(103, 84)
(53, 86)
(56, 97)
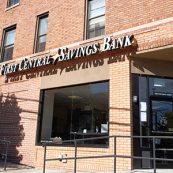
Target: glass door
(162, 114)
(162, 125)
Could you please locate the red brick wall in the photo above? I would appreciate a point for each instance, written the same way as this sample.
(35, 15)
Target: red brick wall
(65, 23)
(66, 19)
(18, 118)
(66, 26)
(119, 124)
(123, 15)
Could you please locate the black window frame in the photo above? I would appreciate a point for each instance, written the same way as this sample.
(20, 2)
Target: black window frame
(38, 140)
(11, 3)
(90, 19)
(37, 36)
(5, 31)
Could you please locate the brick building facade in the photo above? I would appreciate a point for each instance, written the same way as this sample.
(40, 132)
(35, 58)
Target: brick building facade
(127, 72)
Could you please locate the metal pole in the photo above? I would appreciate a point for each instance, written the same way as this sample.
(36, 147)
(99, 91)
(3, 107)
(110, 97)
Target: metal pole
(44, 162)
(154, 155)
(114, 154)
(6, 153)
(75, 161)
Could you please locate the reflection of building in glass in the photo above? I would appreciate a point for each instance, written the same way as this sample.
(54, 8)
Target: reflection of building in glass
(76, 110)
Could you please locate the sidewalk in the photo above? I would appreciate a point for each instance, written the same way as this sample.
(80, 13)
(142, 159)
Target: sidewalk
(35, 170)
(13, 168)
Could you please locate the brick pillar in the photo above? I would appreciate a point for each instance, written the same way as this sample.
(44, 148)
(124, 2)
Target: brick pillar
(120, 110)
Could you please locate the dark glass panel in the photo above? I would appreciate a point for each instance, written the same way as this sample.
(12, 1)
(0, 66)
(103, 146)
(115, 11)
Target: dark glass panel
(77, 112)
(12, 2)
(96, 18)
(8, 44)
(8, 53)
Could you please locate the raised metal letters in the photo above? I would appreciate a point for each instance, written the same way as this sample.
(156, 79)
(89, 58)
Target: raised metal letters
(66, 54)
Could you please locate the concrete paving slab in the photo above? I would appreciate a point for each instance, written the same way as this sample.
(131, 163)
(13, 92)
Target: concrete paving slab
(15, 168)
(37, 170)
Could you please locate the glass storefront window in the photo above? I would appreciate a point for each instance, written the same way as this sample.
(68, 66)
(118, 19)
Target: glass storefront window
(162, 116)
(76, 112)
(161, 86)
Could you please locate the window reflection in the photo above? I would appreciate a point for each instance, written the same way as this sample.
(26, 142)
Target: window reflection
(11, 3)
(161, 86)
(76, 112)
(162, 116)
(42, 33)
(8, 44)
(96, 18)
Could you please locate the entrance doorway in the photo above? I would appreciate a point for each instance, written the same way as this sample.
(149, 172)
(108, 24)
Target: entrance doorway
(152, 116)
(161, 124)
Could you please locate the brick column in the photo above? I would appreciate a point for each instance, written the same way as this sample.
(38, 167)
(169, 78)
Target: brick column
(120, 110)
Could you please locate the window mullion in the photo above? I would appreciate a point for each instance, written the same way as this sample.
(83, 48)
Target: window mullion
(8, 43)
(11, 3)
(41, 28)
(97, 28)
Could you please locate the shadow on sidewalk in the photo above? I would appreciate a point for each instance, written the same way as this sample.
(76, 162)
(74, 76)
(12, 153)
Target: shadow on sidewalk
(13, 167)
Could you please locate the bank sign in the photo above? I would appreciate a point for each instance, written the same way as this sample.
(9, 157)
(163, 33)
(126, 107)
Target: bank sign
(66, 54)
